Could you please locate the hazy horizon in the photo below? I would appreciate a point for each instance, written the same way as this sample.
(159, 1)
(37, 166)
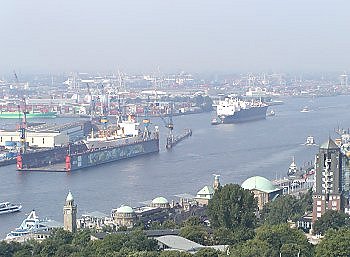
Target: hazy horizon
(196, 36)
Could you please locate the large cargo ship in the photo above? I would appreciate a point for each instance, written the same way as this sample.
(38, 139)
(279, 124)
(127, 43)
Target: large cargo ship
(29, 115)
(127, 141)
(234, 110)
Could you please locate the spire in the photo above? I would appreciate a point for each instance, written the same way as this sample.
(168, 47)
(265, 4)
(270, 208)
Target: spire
(69, 197)
(329, 144)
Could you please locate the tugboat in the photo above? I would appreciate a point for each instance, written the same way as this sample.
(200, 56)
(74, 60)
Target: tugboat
(8, 207)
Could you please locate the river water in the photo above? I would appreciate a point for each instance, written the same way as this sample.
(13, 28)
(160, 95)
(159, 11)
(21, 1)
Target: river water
(235, 151)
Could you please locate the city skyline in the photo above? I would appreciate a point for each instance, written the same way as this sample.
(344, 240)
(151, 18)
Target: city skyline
(196, 36)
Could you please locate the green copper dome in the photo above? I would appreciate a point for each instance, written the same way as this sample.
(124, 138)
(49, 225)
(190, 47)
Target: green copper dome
(259, 183)
(160, 200)
(125, 209)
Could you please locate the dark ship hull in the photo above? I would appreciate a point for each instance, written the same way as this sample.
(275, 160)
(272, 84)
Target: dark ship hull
(111, 154)
(78, 156)
(244, 115)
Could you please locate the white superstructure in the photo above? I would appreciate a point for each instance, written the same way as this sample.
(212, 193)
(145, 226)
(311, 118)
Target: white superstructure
(232, 104)
(31, 225)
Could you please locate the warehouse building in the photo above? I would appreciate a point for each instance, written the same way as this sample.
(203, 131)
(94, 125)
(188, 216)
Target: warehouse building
(46, 136)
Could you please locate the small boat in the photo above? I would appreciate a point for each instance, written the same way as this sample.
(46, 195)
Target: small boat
(305, 109)
(271, 113)
(215, 121)
(310, 141)
(8, 207)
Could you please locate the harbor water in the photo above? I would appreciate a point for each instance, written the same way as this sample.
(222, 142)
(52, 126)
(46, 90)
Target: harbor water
(235, 151)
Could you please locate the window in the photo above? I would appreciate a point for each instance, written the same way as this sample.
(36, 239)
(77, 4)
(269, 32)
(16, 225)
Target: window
(43, 140)
(318, 208)
(318, 214)
(32, 140)
(319, 202)
(334, 203)
(1, 139)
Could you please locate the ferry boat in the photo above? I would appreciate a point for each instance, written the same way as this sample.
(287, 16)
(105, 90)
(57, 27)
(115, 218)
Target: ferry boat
(234, 110)
(126, 141)
(310, 141)
(8, 207)
(29, 225)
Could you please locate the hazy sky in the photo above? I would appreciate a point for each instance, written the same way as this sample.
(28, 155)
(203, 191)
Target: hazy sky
(197, 36)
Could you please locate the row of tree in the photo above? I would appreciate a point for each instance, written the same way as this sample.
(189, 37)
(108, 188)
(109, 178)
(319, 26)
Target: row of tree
(233, 221)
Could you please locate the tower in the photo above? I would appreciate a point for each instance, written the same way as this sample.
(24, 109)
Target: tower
(327, 193)
(70, 214)
(216, 183)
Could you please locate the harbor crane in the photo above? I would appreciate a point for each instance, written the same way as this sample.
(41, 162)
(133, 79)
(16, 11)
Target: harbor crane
(22, 121)
(92, 101)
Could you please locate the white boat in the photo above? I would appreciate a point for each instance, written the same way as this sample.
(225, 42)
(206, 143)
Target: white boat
(8, 207)
(305, 109)
(215, 121)
(271, 113)
(30, 225)
(310, 141)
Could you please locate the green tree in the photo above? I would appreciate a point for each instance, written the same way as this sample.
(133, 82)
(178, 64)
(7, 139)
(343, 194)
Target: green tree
(232, 207)
(174, 254)
(206, 252)
(225, 236)
(286, 207)
(137, 240)
(81, 238)
(331, 219)
(279, 237)
(197, 234)
(251, 248)
(192, 221)
(334, 244)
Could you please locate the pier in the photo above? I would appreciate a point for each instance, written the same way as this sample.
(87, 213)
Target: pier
(295, 186)
(171, 141)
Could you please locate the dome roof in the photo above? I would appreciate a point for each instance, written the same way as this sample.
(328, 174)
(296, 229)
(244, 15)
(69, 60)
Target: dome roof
(69, 197)
(259, 183)
(160, 200)
(125, 209)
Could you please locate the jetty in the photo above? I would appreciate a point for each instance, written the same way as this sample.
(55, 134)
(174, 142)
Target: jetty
(172, 140)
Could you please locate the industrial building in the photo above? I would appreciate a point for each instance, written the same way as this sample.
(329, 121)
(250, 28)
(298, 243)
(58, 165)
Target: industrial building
(46, 135)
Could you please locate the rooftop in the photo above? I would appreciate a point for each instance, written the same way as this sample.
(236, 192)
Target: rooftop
(160, 200)
(259, 183)
(207, 190)
(329, 144)
(179, 243)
